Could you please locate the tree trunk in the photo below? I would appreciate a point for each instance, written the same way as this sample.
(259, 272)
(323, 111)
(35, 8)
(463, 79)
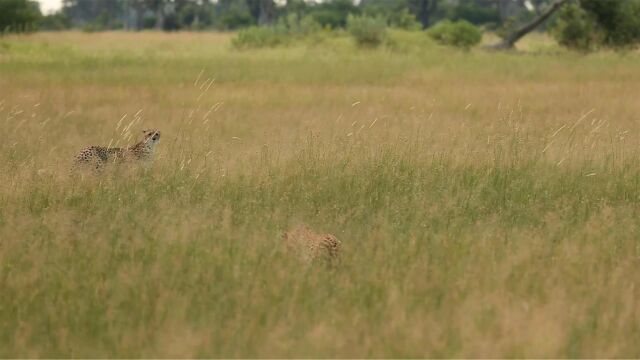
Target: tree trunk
(160, 17)
(267, 12)
(139, 9)
(426, 8)
(503, 9)
(511, 39)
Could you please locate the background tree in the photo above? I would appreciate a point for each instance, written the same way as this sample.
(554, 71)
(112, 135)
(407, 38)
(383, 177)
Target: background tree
(619, 20)
(510, 39)
(576, 29)
(18, 15)
(477, 12)
(333, 14)
(54, 22)
(424, 10)
(82, 12)
(233, 14)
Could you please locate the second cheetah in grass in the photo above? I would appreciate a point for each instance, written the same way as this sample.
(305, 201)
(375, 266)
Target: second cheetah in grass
(97, 157)
(311, 246)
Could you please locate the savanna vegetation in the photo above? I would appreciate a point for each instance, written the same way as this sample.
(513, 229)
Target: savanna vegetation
(487, 203)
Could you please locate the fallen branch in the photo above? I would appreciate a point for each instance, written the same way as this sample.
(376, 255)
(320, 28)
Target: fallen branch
(510, 41)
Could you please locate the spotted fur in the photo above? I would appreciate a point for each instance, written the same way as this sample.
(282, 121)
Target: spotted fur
(311, 246)
(98, 156)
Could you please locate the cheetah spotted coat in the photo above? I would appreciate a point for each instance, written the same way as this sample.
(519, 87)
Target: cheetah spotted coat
(98, 156)
(311, 246)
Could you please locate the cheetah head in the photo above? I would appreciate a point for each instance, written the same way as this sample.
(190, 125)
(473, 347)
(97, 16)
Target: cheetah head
(151, 136)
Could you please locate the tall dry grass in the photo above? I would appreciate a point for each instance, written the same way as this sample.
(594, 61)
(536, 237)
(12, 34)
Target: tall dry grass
(487, 203)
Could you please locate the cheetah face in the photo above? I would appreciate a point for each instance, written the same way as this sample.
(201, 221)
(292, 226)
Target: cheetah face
(151, 136)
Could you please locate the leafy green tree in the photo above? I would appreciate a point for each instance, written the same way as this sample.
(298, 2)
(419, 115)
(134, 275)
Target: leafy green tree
(262, 11)
(425, 10)
(232, 14)
(56, 21)
(367, 31)
(509, 40)
(396, 13)
(576, 29)
(460, 34)
(333, 14)
(476, 14)
(18, 15)
(619, 20)
(82, 12)
(616, 22)
(195, 16)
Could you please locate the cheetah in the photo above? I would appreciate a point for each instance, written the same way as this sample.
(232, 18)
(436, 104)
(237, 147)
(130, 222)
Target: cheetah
(311, 246)
(98, 156)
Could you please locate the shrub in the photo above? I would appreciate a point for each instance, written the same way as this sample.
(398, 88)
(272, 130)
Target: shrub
(576, 29)
(396, 15)
(57, 21)
(234, 18)
(367, 31)
(288, 28)
(404, 20)
(460, 34)
(171, 22)
(149, 22)
(258, 37)
(627, 29)
(295, 26)
(92, 27)
(195, 16)
(333, 14)
(618, 21)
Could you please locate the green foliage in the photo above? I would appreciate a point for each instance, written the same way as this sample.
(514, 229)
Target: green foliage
(618, 19)
(333, 14)
(629, 24)
(460, 34)
(103, 22)
(194, 16)
(287, 29)
(475, 14)
(507, 27)
(259, 37)
(576, 29)
(395, 13)
(171, 22)
(367, 31)
(297, 26)
(91, 27)
(235, 18)
(149, 22)
(403, 19)
(599, 23)
(57, 21)
(607, 13)
(18, 15)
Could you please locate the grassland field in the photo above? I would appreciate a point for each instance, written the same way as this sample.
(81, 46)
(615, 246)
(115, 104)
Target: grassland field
(488, 203)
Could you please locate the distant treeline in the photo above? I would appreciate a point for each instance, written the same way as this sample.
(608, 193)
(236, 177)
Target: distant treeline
(170, 15)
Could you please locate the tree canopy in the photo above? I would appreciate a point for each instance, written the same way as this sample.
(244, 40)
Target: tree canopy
(582, 23)
(18, 15)
(233, 14)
